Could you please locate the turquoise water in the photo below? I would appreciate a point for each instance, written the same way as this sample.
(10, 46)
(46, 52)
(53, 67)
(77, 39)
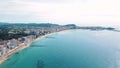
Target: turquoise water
(71, 49)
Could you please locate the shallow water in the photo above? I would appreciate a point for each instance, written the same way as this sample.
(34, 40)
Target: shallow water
(71, 49)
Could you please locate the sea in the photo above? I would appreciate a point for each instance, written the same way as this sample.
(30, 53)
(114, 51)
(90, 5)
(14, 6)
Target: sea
(70, 49)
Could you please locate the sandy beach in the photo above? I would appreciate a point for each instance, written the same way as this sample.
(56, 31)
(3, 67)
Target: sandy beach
(23, 46)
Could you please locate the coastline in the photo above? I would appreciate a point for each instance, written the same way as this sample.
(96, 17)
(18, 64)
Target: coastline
(23, 46)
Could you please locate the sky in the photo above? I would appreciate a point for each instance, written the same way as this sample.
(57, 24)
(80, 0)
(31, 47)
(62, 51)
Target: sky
(79, 12)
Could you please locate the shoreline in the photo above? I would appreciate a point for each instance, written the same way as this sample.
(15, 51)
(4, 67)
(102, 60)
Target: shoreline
(23, 46)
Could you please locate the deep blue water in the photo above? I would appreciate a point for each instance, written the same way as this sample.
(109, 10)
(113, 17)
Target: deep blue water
(70, 49)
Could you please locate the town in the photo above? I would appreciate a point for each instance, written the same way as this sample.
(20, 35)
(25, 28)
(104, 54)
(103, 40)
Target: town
(14, 36)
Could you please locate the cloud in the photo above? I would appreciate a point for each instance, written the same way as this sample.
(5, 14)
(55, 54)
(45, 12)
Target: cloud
(81, 12)
(54, 1)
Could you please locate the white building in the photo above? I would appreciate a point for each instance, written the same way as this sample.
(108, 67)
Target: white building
(3, 50)
(12, 43)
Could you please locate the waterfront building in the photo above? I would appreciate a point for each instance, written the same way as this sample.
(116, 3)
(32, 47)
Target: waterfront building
(12, 44)
(0, 53)
(3, 50)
